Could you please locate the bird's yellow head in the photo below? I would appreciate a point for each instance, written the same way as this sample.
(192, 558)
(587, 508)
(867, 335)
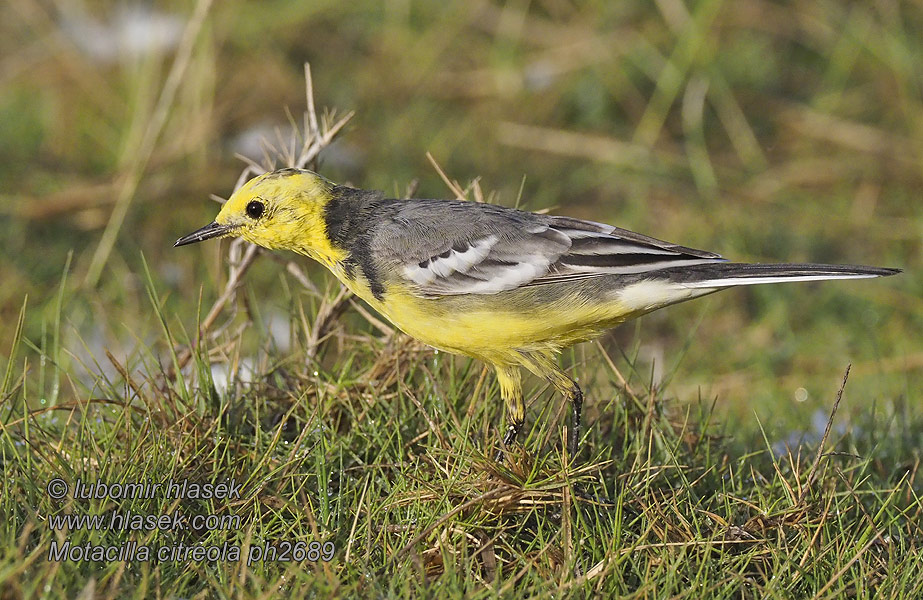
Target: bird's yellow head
(283, 209)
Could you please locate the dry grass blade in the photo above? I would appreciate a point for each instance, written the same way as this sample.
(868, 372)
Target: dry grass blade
(317, 135)
(846, 567)
(140, 157)
(435, 429)
(73, 405)
(327, 315)
(812, 474)
(570, 143)
(489, 495)
(237, 271)
(451, 184)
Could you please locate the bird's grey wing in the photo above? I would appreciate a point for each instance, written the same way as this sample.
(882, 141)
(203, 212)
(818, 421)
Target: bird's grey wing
(442, 248)
(599, 249)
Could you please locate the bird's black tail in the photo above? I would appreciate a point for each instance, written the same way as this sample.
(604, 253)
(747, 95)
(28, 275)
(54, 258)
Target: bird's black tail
(728, 274)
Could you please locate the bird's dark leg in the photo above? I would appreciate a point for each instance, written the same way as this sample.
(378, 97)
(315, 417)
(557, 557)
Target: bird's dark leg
(572, 393)
(512, 430)
(511, 391)
(575, 396)
(544, 365)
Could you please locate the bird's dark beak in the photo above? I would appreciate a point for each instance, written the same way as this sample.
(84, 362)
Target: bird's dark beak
(212, 230)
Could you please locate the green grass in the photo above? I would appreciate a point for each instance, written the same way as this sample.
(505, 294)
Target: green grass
(380, 450)
(764, 132)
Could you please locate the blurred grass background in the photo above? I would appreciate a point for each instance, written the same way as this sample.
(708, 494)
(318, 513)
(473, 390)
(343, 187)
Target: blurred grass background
(762, 130)
(766, 131)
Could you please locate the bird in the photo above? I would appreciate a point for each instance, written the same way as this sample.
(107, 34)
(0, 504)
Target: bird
(505, 286)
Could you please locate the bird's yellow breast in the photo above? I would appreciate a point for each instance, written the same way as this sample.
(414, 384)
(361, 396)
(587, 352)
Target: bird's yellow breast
(496, 328)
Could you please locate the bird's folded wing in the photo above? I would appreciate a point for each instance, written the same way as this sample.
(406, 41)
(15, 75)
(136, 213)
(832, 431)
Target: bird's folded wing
(444, 248)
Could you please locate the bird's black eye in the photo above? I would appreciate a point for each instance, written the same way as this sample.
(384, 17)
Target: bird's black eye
(255, 209)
